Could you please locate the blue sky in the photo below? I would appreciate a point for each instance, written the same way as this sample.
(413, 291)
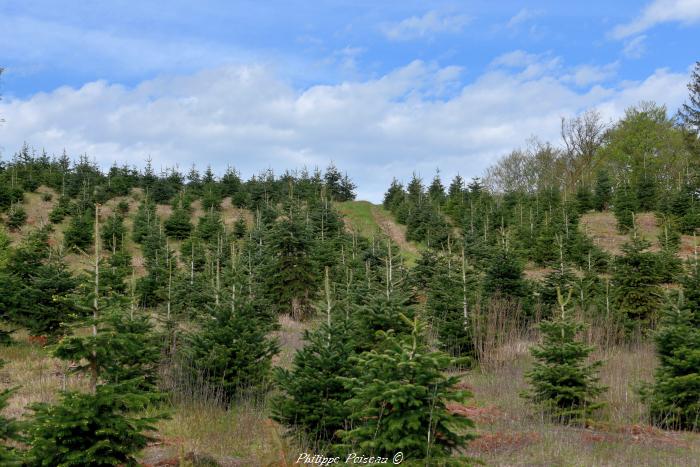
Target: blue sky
(381, 88)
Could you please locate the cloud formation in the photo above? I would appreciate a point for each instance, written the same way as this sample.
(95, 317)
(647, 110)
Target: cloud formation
(429, 24)
(657, 12)
(246, 116)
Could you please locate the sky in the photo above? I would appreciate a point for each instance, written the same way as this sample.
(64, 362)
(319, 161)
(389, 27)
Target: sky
(380, 88)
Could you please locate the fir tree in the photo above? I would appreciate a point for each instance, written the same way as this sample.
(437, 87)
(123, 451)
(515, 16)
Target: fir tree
(290, 278)
(689, 113)
(394, 195)
(505, 276)
(313, 393)
(647, 198)
(399, 401)
(635, 279)
(561, 380)
(232, 351)
(113, 232)
(94, 429)
(178, 225)
(78, 234)
(624, 208)
(16, 217)
(450, 299)
(674, 398)
(144, 220)
(100, 427)
(584, 199)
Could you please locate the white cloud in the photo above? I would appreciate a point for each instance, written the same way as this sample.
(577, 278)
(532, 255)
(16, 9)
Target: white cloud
(635, 47)
(532, 65)
(660, 11)
(585, 75)
(523, 16)
(427, 25)
(248, 117)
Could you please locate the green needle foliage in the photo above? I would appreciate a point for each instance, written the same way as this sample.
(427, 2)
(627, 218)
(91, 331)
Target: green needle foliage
(561, 381)
(399, 401)
(674, 398)
(636, 278)
(313, 392)
(178, 225)
(232, 352)
(97, 429)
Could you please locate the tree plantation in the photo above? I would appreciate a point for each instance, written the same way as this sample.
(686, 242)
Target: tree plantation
(546, 313)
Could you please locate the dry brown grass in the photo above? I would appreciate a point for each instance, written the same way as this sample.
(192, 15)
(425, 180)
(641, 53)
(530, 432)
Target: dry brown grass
(513, 433)
(37, 376)
(602, 228)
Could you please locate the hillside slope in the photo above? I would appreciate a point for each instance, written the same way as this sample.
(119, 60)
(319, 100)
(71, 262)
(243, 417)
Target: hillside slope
(370, 220)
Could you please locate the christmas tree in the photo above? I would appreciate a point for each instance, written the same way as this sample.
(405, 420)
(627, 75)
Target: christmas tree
(561, 381)
(399, 401)
(674, 398)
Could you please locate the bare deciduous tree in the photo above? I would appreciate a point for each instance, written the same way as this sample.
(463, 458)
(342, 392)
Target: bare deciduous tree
(582, 137)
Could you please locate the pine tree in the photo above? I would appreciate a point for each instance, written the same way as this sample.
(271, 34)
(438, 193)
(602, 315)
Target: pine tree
(100, 427)
(94, 429)
(584, 199)
(178, 225)
(689, 113)
(635, 279)
(674, 398)
(624, 208)
(313, 393)
(290, 275)
(231, 351)
(113, 232)
(561, 380)
(399, 401)
(603, 191)
(78, 234)
(144, 220)
(504, 276)
(16, 217)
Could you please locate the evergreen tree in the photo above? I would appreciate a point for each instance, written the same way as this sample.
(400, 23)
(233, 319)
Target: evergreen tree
(504, 276)
(93, 429)
(450, 299)
(647, 198)
(178, 225)
(78, 234)
(561, 380)
(689, 113)
(232, 351)
(113, 233)
(313, 394)
(394, 196)
(60, 210)
(603, 191)
(624, 208)
(16, 217)
(144, 220)
(100, 427)
(290, 275)
(399, 401)
(584, 199)
(674, 398)
(635, 279)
